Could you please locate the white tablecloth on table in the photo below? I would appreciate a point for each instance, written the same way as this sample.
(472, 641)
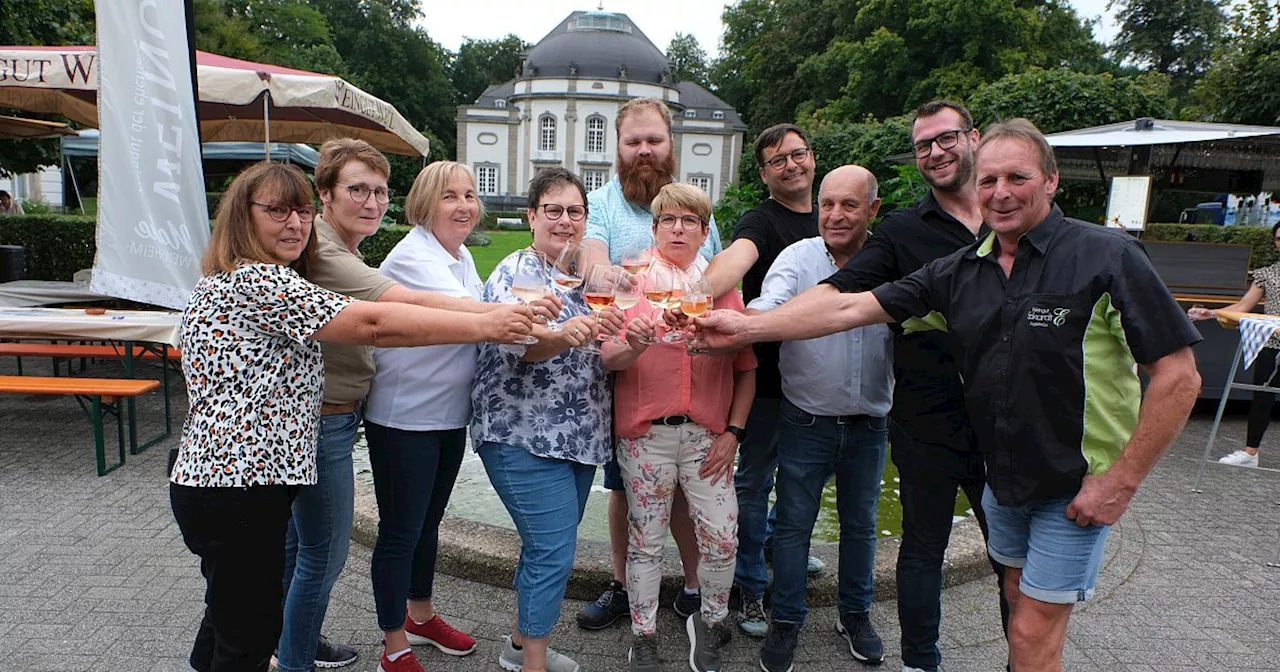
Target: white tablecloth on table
(1254, 333)
(21, 293)
(146, 326)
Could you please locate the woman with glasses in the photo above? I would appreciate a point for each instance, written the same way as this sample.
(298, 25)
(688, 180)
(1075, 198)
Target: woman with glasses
(541, 423)
(679, 418)
(252, 360)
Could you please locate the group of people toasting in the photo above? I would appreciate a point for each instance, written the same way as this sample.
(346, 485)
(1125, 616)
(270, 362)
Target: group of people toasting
(619, 339)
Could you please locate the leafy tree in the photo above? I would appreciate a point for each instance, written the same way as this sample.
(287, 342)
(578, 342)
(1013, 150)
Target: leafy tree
(1062, 99)
(1173, 37)
(688, 59)
(1243, 83)
(738, 198)
(483, 63)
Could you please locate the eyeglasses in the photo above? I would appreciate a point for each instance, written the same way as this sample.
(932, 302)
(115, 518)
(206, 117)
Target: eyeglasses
(687, 222)
(360, 193)
(798, 156)
(554, 211)
(945, 140)
(280, 213)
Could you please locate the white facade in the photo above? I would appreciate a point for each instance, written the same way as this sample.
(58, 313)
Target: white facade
(42, 187)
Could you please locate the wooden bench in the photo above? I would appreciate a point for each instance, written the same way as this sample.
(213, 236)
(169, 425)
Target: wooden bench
(57, 351)
(95, 395)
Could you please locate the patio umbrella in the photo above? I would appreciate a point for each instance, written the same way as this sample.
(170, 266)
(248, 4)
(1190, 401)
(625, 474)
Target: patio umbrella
(17, 128)
(239, 100)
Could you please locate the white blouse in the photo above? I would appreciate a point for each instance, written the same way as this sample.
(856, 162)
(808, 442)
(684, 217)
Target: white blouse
(426, 388)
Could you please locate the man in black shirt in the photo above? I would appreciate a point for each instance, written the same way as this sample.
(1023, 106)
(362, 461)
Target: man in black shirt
(1051, 316)
(932, 443)
(787, 216)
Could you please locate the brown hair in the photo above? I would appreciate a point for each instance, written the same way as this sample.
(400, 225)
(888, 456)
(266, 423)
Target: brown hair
(638, 104)
(545, 180)
(1022, 129)
(772, 136)
(235, 239)
(684, 196)
(428, 188)
(335, 154)
(935, 106)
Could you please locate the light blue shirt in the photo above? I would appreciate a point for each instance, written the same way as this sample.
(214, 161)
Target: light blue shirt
(559, 408)
(627, 228)
(846, 373)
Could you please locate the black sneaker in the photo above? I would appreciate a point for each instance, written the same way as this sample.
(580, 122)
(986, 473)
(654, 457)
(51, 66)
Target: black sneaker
(705, 643)
(606, 610)
(864, 643)
(687, 605)
(779, 649)
(330, 655)
(643, 656)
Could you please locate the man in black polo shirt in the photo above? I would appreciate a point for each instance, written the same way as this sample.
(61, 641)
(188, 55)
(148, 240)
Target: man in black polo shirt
(1051, 315)
(932, 443)
(788, 215)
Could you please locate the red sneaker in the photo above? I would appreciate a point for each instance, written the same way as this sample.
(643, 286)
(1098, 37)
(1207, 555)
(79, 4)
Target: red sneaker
(405, 663)
(439, 634)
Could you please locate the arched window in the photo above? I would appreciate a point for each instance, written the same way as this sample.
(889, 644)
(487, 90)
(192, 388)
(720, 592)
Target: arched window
(547, 134)
(595, 134)
(501, 102)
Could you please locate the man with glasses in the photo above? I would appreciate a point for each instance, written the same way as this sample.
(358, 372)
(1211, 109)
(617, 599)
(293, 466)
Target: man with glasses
(787, 216)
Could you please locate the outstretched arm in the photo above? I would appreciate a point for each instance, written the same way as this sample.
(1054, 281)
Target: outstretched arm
(818, 311)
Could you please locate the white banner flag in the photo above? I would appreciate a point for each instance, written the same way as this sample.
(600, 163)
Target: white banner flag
(153, 223)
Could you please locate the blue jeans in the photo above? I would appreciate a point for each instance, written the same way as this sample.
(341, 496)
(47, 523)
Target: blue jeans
(546, 498)
(413, 476)
(317, 541)
(753, 480)
(810, 449)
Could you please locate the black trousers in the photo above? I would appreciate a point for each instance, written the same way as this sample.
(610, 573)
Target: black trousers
(1264, 372)
(238, 533)
(929, 477)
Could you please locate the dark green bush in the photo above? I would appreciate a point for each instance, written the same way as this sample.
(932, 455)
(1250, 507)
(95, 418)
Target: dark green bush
(490, 221)
(376, 247)
(478, 238)
(213, 198)
(1264, 249)
(56, 245)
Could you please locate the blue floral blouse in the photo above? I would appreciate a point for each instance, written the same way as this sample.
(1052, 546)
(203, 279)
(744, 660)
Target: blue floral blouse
(558, 408)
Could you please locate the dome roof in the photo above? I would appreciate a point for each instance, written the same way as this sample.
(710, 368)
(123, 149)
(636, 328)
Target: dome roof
(600, 45)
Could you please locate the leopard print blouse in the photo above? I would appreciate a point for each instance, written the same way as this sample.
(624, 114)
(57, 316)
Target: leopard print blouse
(1268, 278)
(254, 379)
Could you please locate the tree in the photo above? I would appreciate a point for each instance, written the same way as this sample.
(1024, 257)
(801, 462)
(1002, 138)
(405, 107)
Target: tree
(483, 63)
(1173, 37)
(1062, 99)
(688, 60)
(1243, 84)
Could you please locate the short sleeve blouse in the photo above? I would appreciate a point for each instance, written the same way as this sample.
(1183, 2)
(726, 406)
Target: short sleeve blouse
(1268, 278)
(254, 379)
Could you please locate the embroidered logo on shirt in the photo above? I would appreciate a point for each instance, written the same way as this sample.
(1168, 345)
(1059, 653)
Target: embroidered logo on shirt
(1043, 317)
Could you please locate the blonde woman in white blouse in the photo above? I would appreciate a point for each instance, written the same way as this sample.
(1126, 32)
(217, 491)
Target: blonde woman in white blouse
(252, 360)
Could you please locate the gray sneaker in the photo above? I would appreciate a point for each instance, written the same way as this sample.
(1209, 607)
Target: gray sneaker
(751, 618)
(643, 656)
(513, 659)
(705, 643)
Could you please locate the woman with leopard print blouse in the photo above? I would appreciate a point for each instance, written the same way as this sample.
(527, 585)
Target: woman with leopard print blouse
(252, 360)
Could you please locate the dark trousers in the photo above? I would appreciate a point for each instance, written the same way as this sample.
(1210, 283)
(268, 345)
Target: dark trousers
(239, 535)
(1264, 371)
(413, 476)
(930, 475)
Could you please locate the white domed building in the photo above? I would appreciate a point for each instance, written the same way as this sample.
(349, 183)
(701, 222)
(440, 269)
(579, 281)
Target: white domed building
(560, 111)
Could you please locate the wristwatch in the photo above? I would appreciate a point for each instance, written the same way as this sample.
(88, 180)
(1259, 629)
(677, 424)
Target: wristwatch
(738, 432)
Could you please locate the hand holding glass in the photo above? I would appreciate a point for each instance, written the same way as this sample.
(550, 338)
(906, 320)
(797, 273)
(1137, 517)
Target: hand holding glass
(529, 281)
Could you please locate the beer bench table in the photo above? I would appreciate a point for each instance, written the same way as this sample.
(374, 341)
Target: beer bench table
(130, 335)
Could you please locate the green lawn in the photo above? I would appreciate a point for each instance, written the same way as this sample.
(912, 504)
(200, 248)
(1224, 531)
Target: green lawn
(504, 243)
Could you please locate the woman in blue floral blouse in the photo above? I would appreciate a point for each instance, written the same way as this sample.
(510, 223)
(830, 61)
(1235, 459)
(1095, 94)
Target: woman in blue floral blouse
(541, 425)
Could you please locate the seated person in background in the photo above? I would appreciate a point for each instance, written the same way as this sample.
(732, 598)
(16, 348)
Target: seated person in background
(8, 206)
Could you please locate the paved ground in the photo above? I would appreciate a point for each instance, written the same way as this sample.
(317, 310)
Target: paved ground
(94, 576)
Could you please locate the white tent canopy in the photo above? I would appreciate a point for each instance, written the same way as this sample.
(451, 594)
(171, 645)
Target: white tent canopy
(239, 100)
(1161, 132)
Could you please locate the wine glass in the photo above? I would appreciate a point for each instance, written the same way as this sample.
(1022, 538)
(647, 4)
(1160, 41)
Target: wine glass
(696, 300)
(626, 295)
(598, 291)
(565, 274)
(659, 283)
(674, 300)
(638, 257)
(529, 281)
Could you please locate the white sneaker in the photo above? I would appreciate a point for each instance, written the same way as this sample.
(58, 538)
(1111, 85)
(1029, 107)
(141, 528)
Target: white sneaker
(912, 669)
(1240, 459)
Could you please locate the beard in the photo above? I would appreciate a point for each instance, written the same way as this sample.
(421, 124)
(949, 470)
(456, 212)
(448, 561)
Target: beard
(643, 178)
(962, 176)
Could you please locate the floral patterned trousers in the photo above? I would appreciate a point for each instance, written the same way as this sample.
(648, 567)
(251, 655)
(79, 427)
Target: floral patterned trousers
(653, 466)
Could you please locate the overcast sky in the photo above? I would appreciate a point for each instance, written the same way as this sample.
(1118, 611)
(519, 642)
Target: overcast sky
(449, 21)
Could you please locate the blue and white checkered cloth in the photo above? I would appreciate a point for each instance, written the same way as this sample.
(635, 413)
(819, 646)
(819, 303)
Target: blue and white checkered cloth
(1254, 333)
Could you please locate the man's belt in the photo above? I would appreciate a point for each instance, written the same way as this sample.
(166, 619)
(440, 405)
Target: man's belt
(672, 420)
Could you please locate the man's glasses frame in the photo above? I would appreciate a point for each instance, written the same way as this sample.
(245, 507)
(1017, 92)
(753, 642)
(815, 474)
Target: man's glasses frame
(799, 156)
(945, 140)
(554, 211)
(381, 194)
(687, 222)
(280, 213)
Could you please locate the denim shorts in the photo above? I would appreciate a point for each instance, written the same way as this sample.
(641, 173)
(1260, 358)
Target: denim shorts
(1059, 559)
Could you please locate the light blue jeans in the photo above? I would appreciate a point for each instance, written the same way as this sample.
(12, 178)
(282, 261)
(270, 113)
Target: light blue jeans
(811, 449)
(546, 498)
(317, 541)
